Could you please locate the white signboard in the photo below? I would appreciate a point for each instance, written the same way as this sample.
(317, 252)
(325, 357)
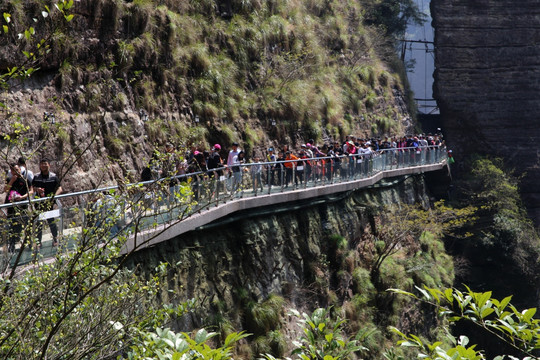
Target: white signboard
(49, 214)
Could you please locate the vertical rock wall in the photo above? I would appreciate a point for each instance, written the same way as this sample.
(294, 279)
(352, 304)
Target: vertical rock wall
(487, 82)
(279, 250)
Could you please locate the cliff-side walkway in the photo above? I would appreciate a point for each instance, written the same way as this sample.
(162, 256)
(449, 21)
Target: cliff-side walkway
(149, 217)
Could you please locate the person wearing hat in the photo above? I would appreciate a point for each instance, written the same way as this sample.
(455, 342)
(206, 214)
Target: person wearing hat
(351, 150)
(271, 158)
(214, 161)
(450, 158)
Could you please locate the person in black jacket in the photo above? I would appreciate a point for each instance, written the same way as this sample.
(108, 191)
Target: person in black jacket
(46, 184)
(215, 162)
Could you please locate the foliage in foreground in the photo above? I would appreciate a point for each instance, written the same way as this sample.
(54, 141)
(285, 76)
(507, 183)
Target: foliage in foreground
(322, 337)
(498, 318)
(166, 344)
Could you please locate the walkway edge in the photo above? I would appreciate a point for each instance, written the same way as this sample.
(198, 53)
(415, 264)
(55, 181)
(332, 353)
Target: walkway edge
(168, 231)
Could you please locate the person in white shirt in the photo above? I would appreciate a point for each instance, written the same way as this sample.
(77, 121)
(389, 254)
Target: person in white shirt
(233, 163)
(366, 153)
(256, 174)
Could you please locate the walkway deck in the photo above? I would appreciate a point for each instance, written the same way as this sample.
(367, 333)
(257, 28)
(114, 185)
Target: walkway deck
(166, 231)
(160, 211)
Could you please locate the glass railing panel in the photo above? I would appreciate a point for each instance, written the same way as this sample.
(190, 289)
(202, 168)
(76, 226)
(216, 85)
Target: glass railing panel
(153, 205)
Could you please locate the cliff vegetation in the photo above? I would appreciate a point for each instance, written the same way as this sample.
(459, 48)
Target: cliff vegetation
(140, 73)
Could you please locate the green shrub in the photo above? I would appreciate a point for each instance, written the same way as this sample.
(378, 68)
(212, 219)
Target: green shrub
(272, 343)
(115, 145)
(229, 134)
(362, 283)
(156, 130)
(394, 275)
(263, 317)
(385, 78)
(368, 76)
(370, 100)
(125, 55)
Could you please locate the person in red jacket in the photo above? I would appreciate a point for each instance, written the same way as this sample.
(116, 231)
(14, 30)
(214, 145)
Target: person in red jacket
(350, 150)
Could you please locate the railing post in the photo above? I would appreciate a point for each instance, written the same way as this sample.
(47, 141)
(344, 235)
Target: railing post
(82, 208)
(304, 173)
(269, 178)
(332, 169)
(282, 176)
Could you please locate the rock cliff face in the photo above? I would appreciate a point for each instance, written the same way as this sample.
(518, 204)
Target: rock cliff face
(487, 82)
(134, 75)
(279, 250)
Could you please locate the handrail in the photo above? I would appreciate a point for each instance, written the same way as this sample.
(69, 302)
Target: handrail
(189, 175)
(207, 189)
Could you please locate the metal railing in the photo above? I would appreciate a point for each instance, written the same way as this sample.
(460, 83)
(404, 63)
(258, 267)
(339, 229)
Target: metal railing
(161, 201)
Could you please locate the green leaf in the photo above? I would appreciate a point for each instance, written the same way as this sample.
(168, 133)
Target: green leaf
(486, 312)
(507, 327)
(448, 294)
(528, 314)
(504, 302)
(407, 343)
(417, 339)
(424, 292)
(433, 346)
(396, 331)
(6, 29)
(7, 17)
(68, 17)
(169, 342)
(234, 337)
(402, 292)
(435, 293)
(202, 335)
(483, 298)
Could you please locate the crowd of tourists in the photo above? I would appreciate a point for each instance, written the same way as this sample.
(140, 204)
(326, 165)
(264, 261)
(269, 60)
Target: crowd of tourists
(285, 166)
(215, 171)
